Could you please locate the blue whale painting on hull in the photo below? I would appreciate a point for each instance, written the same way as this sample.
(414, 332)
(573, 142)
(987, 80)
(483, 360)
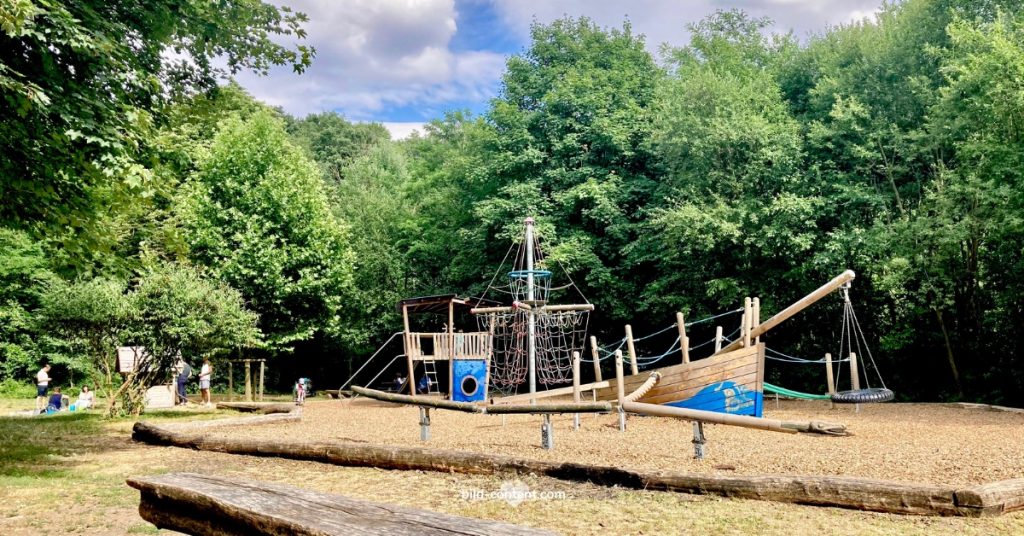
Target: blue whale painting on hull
(724, 397)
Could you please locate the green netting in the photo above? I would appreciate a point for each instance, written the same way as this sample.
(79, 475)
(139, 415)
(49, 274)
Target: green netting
(794, 394)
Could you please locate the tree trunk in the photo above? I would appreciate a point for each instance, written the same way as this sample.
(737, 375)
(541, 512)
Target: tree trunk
(949, 353)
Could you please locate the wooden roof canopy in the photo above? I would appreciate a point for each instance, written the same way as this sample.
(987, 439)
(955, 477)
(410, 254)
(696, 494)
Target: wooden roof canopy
(439, 304)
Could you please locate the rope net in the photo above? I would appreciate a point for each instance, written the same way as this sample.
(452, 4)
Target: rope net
(557, 334)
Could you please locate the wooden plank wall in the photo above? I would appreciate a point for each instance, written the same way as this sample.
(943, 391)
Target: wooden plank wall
(744, 367)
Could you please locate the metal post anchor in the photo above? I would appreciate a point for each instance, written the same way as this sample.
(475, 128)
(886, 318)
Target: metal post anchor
(547, 434)
(622, 420)
(424, 424)
(698, 440)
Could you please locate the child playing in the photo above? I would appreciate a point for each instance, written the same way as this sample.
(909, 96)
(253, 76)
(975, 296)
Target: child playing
(300, 392)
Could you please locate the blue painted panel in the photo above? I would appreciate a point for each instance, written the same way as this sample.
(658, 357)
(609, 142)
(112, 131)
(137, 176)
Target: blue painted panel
(463, 390)
(725, 397)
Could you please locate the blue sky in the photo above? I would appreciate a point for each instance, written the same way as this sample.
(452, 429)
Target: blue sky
(405, 62)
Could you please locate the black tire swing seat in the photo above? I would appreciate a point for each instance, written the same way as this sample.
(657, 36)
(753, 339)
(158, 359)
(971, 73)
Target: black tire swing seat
(863, 396)
(851, 337)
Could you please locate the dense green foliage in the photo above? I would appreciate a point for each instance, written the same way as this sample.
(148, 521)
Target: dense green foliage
(741, 164)
(171, 311)
(257, 216)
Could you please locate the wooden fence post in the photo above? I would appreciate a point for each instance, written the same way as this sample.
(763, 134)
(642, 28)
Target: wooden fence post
(248, 382)
(263, 366)
(231, 381)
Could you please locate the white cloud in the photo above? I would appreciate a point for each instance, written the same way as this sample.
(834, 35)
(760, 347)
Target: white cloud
(400, 131)
(377, 55)
(665, 21)
(374, 56)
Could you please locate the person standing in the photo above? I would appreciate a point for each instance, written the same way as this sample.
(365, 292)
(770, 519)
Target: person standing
(205, 373)
(42, 384)
(184, 371)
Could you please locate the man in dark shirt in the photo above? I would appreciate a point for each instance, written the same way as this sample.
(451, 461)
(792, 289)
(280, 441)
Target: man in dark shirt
(56, 400)
(184, 371)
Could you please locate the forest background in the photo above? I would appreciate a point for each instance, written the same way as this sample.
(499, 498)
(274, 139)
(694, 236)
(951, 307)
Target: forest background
(149, 200)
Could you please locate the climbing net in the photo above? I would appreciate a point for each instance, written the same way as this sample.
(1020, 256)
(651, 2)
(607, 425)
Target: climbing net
(557, 333)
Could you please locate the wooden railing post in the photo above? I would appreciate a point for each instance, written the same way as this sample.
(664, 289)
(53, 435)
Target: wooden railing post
(684, 341)
(756, 318)
(620, 390)
(718, 339)
(632, 350)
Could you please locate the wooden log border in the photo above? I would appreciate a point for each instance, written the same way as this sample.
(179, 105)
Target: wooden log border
(258, 407)
(843, 492)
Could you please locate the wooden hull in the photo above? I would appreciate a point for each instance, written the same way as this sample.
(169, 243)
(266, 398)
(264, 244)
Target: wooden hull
(731, 382)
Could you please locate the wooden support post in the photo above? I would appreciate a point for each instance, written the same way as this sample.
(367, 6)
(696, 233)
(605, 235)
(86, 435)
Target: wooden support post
(854, 376)
(632, 351)
(263, 367)
(684, 341)
(424, 424)
(248, 382)
(597, 358)
(747, 320)
(547, 433)
(718, 339)
(620, 390)
(408, 351)
(576, 388)
(829, 375)
(698, 440)
(451, 350)
(756, 319)
(231, 381)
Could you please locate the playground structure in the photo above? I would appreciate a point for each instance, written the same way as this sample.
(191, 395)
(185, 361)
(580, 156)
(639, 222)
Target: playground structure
(533, 340)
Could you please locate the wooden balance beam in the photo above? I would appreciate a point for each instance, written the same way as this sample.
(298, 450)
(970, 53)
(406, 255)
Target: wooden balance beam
(203, 504)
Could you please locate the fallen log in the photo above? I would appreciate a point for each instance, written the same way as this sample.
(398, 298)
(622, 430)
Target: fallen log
(843, 492)
(422, 401)
(210, 505)
(258, 407)
(660, 410)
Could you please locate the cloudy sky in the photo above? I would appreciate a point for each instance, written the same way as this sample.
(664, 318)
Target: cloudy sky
(404, 62)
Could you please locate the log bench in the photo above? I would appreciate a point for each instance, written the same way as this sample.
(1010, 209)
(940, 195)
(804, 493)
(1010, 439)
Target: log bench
(203, 504)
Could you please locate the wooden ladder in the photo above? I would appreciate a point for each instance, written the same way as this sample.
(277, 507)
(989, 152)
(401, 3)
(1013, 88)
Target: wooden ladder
(430, 371)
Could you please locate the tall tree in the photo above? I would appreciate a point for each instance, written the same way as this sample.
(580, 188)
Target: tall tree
(84, 82)
(257, 215)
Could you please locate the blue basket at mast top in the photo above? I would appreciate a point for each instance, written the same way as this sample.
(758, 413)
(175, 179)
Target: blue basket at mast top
(523, 274)
(519, 281)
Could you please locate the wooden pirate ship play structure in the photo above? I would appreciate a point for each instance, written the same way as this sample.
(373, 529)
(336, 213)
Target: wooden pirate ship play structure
(532, 340)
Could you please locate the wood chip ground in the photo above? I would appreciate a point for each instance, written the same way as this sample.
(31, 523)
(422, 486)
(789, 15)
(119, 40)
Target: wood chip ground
(926, 443)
